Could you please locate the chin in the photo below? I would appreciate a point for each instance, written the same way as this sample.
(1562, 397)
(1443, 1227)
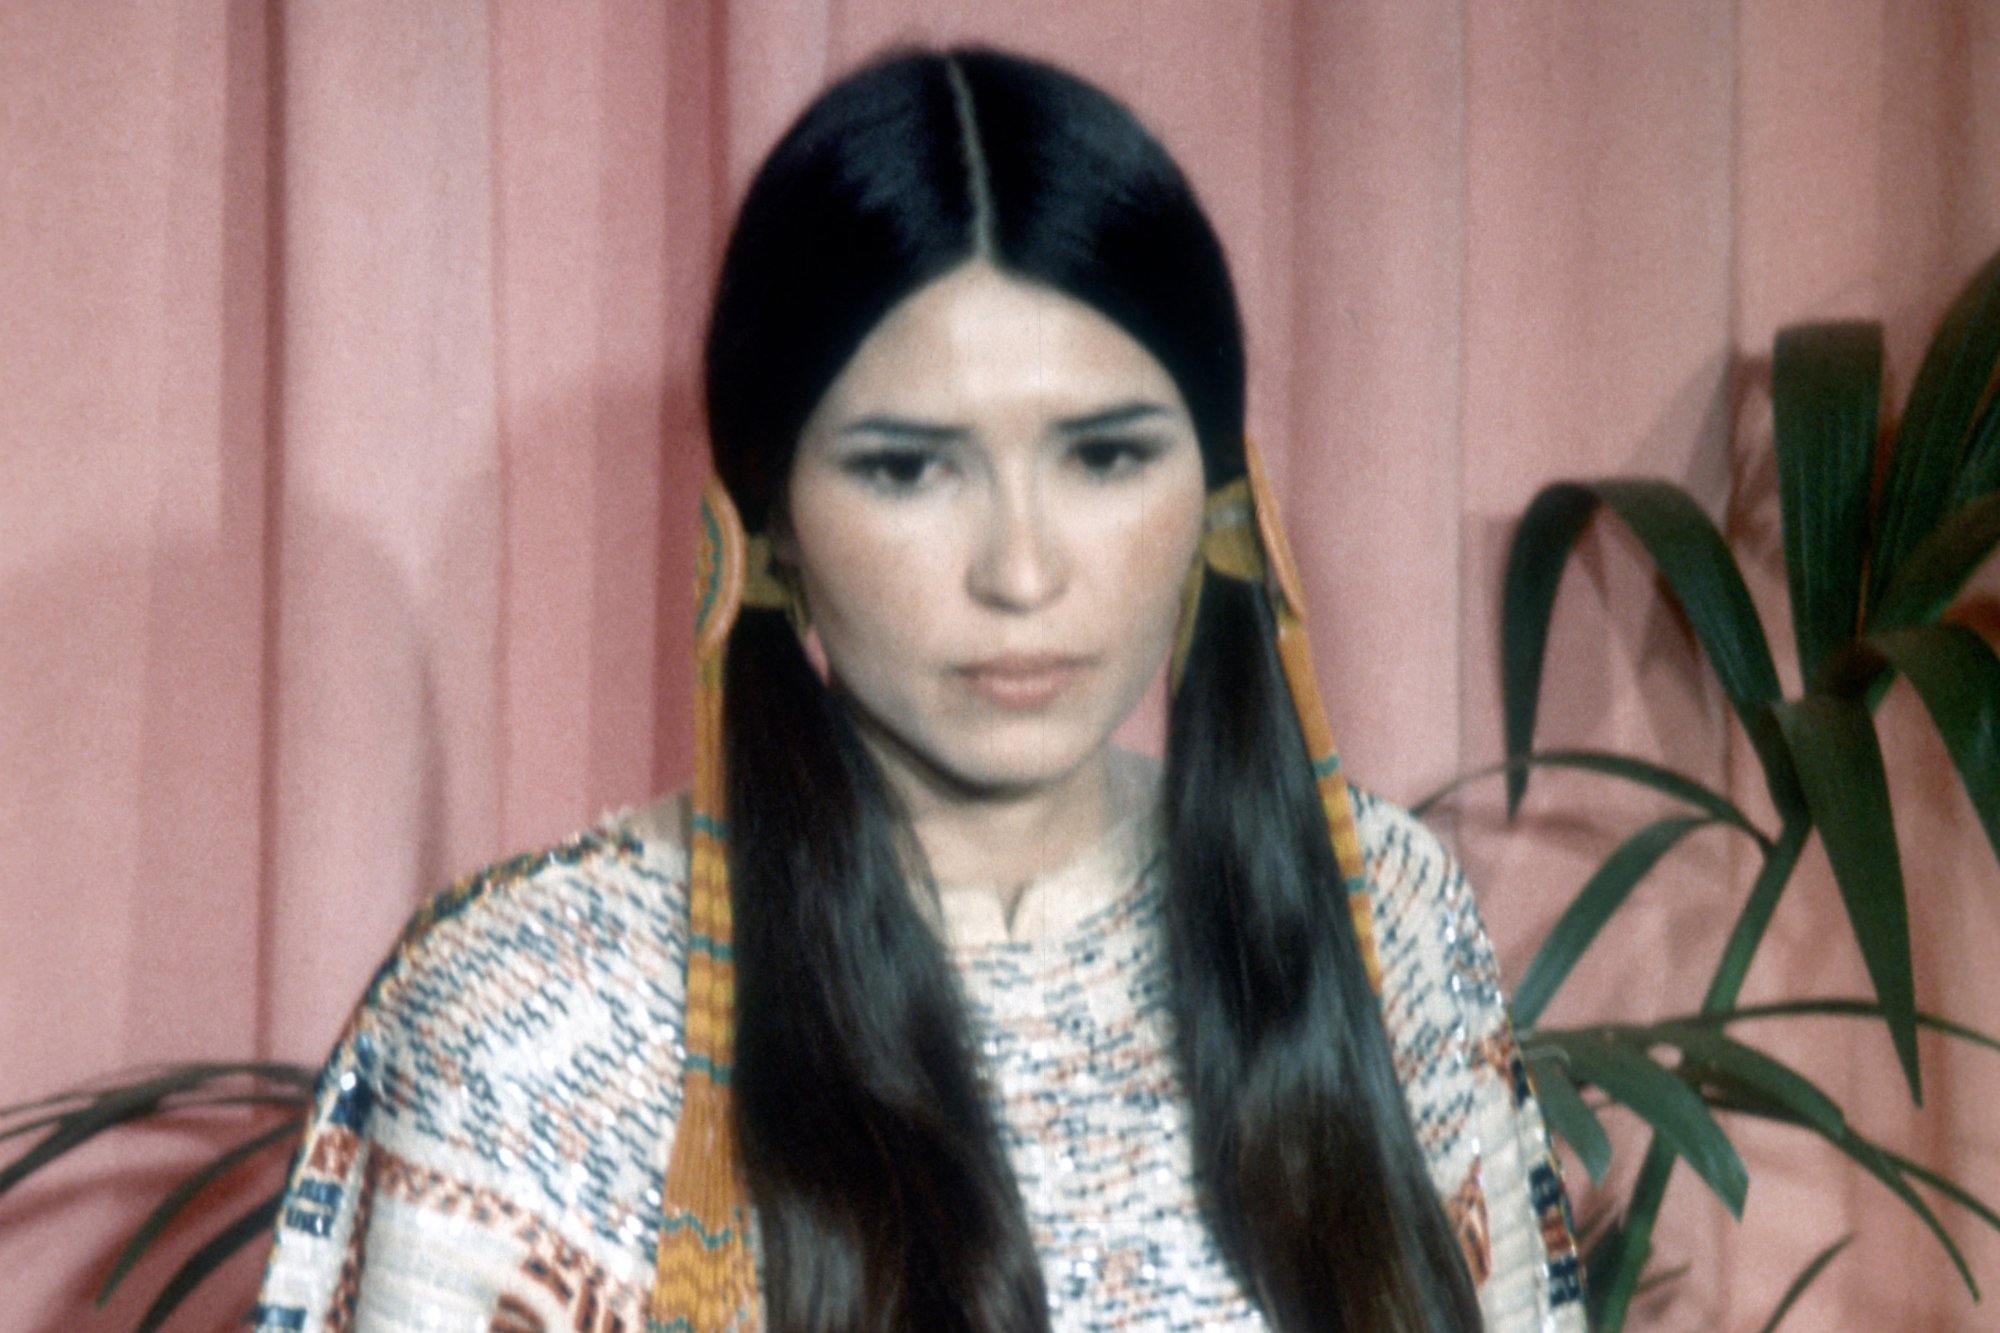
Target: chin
(1019, 762)
(1020, 780)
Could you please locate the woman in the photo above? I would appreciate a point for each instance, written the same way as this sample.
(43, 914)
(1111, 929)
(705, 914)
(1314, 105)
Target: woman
(936, 1011)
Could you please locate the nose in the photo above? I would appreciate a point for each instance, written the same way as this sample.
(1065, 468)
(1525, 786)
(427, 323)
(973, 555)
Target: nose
(1019, 562)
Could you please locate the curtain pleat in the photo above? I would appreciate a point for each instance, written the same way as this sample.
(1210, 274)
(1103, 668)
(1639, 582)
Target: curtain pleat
(350, 428)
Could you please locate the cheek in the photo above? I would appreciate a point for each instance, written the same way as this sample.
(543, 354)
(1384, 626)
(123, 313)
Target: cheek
(1144, 567)
(1154, 554)
(861, 582)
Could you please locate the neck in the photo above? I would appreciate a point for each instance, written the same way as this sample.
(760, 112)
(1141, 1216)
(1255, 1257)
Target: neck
(1002, 837)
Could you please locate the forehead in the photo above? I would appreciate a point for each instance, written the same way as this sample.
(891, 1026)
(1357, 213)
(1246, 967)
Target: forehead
(978, 340)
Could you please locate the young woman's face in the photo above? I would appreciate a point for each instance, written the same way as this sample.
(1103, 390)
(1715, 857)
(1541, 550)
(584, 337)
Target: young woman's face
(993, 510)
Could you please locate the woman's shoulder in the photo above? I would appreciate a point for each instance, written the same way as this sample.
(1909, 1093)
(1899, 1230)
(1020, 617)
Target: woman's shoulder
(1440, 983)
(509, 1082)
(1428, 930)
(1401, 851)
(541, 991)
(543, 923)
(1464, 1077)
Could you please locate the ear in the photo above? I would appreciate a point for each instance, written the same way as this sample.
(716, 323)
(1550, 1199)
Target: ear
(783, 561)
(784, 543)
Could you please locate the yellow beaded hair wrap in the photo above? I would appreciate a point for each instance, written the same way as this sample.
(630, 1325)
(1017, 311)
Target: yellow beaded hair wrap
(1242, 539)
(705, 1280)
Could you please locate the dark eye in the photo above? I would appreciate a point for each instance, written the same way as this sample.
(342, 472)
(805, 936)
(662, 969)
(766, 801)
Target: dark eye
(1110, 456)
(893, 469)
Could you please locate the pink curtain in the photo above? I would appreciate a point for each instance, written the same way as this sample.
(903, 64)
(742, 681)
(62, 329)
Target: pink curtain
(349, 419)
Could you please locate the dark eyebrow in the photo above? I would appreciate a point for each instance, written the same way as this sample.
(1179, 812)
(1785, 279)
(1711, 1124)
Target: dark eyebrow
(1124, 414)
(926, 432)
(901, 428)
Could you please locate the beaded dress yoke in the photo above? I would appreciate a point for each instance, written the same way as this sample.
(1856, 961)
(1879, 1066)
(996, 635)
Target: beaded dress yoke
(488, 1137)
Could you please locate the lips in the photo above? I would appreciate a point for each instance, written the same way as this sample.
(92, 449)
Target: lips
(1023, 681)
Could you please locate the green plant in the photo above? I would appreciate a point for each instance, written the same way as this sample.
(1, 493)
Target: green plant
(1871, 577)
(69, 1120)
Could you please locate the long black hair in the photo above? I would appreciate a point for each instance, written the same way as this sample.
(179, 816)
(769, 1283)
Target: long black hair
(884, 1199)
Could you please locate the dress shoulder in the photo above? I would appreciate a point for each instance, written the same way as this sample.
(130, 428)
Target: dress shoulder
(1465, 1081)
(1438, 966)
(495, 1119)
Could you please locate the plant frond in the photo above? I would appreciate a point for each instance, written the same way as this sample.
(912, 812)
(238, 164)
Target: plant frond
(1604, 893)
(1807, 1276)
(1826, 390)
(1930, 447)
(1640, 772)
(1839, 764)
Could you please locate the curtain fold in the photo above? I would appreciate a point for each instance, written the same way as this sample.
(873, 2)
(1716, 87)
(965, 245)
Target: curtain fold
(350, 422)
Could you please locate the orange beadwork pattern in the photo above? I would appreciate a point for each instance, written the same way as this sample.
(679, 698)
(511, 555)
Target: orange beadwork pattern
(1295, 653)
(1465, 1211)
(705, 1281)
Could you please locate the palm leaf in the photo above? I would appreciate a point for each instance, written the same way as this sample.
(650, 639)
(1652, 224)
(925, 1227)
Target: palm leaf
(1839, 764)
(1712, 1054)
(1634, 1079)
(1981, 471)
(29, 1126)
(76, 1128)
(1697, 565)
(1946, 1186)
(1838, 1008)
(1604, 893)
(1689, 553)
(95, 1110)
(248, 1227)
(1807, 1276)
(1878, 1164)
(1542, 542)
(1600, 1262)
(1613, 1294)
(1957, 675)
(1653, 1279)
(1640, 772)
(1745, 937)
(1930, 447)
(1870, 1156)
(1569, 1116)
(1826, 386)
(1939, 566)
(184, 1194)
(1605, 1258)
(72, 1096)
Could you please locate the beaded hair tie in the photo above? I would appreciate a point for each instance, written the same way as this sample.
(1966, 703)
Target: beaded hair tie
(705, 1279)
(1243, 539)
